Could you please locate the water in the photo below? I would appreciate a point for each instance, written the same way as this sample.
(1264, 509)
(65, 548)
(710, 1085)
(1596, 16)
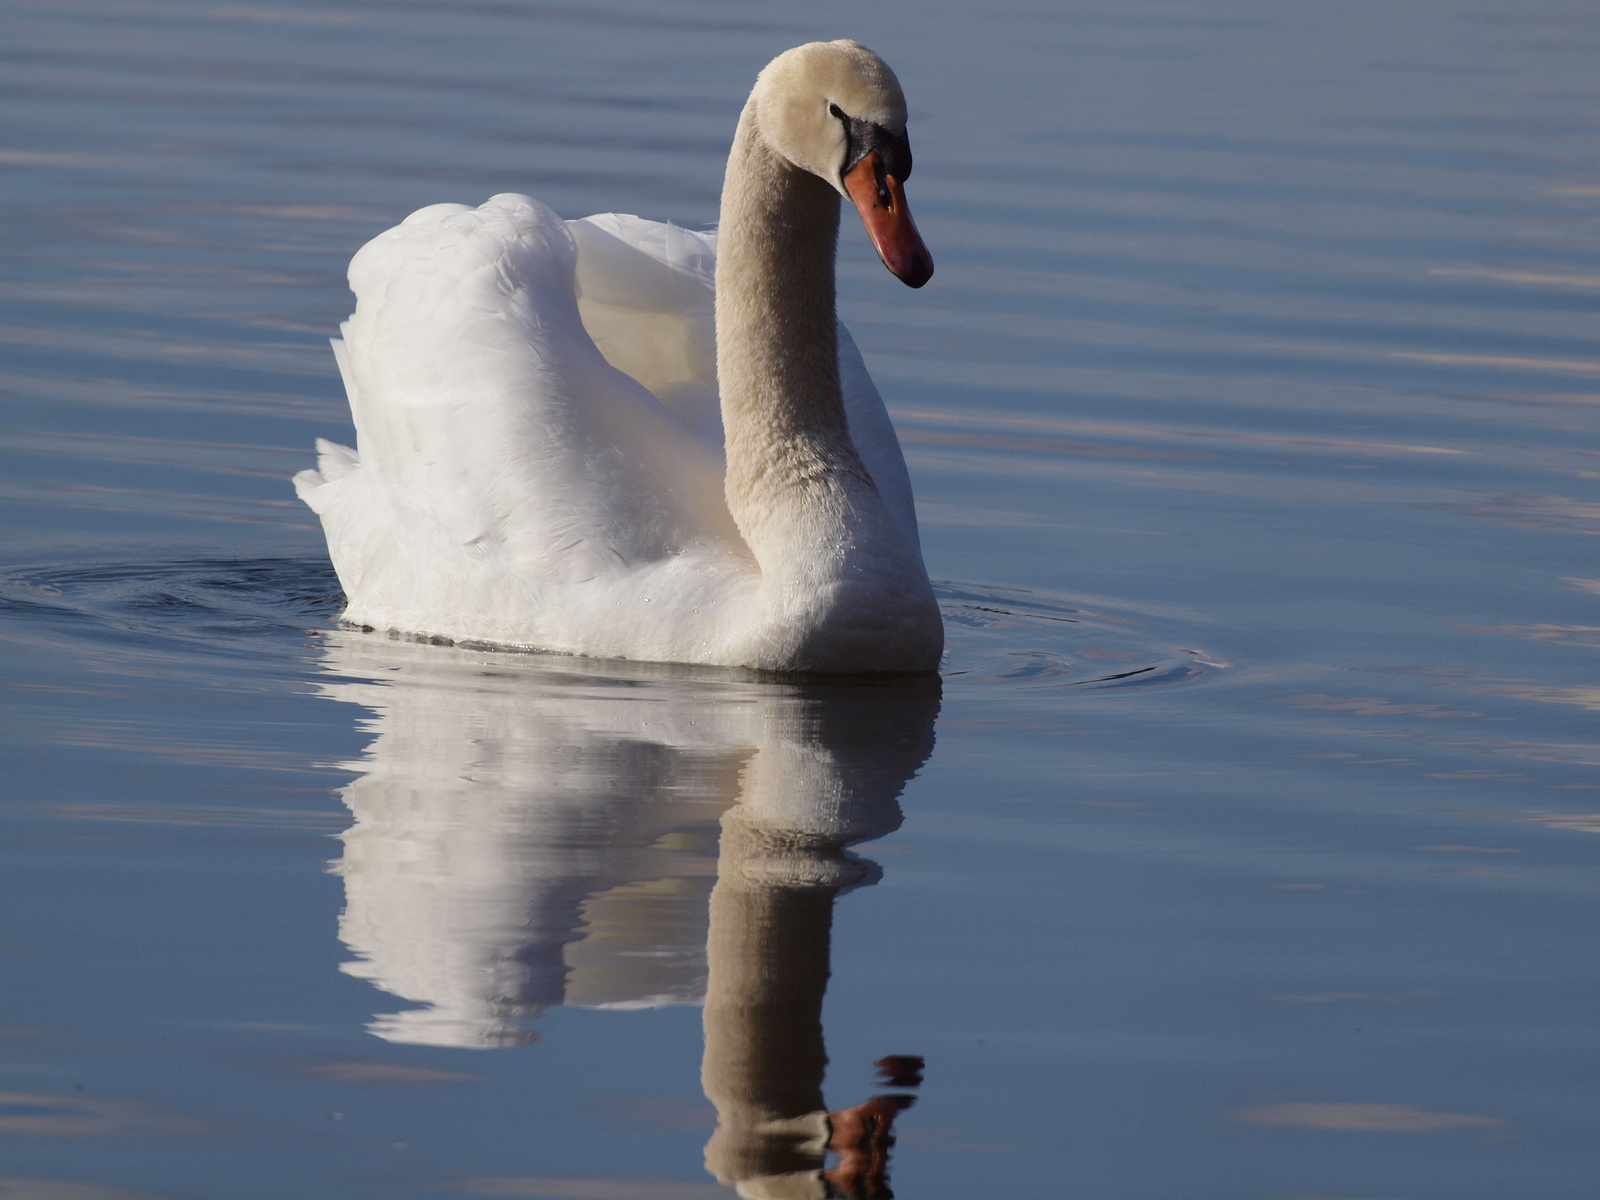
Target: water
(1247, 846)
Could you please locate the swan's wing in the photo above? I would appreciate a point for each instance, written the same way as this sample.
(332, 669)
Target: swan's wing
(646, 293)
(494, 440)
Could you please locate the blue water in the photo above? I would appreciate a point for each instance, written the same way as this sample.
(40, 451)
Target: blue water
(1247, 846)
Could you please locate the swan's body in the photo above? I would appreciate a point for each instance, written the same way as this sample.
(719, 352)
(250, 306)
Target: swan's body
(542, 459)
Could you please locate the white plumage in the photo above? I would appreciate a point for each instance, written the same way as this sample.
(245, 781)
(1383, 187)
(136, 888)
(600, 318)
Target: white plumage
(540, 462)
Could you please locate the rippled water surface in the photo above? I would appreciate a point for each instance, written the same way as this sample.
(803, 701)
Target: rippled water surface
(1245, 848)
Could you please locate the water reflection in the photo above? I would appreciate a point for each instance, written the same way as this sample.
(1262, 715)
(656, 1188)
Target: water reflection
(782, 863)
(532, 832)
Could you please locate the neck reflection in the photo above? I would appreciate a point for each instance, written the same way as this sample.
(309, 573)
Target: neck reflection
(531, 832)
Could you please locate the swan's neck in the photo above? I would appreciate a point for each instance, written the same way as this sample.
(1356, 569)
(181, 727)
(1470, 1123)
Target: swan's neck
(790, 460)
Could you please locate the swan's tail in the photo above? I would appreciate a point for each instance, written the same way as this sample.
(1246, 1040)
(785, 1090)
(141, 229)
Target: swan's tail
(341, 355)
(334, 462)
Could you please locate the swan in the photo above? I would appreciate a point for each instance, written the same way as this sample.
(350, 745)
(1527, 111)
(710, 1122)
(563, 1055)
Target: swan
(621, 439)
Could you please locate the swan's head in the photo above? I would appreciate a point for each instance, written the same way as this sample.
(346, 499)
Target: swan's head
(835, 109)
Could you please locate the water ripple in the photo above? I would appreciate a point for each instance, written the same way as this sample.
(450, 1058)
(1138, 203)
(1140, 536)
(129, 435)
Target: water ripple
(1031, 639)
(997, 636)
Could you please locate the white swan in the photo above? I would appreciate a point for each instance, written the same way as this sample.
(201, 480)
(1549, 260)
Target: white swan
(540, 460)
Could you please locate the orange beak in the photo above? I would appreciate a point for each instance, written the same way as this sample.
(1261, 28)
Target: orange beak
(881, 201)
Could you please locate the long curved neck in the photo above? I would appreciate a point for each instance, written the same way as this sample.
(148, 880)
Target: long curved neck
(788, 443)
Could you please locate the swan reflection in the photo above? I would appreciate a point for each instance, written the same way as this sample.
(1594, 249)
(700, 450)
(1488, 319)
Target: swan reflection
(540, 831)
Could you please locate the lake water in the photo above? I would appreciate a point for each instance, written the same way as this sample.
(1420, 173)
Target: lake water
(1247, 847)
